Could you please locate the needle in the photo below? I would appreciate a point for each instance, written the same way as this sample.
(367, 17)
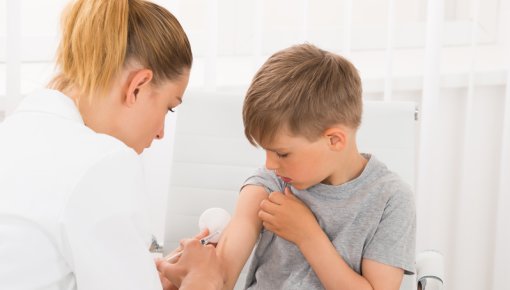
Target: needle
(203, 241)
(207, 239)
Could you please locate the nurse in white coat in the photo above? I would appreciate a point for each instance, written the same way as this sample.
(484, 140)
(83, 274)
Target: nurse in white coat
(72, 196)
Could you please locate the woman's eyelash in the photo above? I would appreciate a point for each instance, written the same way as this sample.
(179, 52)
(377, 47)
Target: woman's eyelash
(171, 110)
(282, 155)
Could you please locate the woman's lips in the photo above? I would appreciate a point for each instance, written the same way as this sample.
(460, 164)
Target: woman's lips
(286, 179)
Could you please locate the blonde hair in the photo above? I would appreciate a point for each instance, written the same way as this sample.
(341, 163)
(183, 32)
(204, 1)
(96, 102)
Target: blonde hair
(100, 37)
(303, 89)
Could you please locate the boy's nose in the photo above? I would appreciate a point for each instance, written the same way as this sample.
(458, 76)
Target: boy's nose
(271, 161)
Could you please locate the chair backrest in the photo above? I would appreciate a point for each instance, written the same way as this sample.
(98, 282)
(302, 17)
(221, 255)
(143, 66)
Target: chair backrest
(212, 157)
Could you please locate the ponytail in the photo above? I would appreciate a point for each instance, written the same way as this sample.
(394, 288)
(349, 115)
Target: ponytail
(100, 36)
(93, 45)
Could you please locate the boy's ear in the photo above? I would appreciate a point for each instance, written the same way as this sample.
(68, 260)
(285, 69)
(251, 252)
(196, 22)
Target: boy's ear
(138, 81)
(336, 138)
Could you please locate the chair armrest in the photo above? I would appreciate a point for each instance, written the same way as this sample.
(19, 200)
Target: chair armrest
(430, 270)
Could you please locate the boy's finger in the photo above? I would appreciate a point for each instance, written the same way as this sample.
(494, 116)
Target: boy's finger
(265, 216)
(268, 206)
(276, 197)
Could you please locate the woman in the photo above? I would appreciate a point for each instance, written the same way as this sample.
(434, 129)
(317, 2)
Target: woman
(72, 193)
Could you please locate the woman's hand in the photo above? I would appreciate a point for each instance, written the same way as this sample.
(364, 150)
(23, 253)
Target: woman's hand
(198, 268)
(167, 285)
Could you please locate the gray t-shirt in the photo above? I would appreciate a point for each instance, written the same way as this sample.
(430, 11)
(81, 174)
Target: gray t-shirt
(372, 217)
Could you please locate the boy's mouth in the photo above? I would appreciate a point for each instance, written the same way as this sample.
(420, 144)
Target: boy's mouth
(285, 179)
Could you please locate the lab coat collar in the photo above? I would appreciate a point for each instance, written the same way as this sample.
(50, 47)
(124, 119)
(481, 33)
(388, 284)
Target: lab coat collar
(50, 102)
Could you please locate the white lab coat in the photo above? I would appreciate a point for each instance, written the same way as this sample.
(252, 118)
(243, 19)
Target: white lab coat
(72, 212)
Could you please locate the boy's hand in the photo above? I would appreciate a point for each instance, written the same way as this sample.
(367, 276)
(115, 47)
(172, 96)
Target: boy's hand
(287, 216)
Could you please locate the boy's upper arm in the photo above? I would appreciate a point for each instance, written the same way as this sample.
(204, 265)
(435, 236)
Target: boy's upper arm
(381, 276)
(241, 234)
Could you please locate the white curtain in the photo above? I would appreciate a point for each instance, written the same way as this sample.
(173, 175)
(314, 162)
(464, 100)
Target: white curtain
(463, 171)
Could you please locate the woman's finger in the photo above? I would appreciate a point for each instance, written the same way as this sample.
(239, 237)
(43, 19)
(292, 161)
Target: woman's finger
(202, 234)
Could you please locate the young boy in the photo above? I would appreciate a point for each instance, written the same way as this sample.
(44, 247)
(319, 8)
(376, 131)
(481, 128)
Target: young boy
(324, 215)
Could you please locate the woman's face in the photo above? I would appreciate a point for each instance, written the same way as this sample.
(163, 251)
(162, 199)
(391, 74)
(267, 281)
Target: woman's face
(145, 119)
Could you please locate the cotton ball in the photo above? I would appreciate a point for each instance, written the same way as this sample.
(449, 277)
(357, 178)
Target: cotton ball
(215, 219)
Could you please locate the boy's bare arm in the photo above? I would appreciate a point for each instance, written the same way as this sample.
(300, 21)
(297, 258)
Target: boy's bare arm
(380, 275)
(334, 273)
(288, 217)
(240, 236)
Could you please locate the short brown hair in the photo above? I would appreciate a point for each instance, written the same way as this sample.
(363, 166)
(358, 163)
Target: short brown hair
(100, 37)
(305, 90)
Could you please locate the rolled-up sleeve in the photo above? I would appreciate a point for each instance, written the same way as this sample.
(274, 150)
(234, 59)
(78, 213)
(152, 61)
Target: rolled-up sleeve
(265, 178)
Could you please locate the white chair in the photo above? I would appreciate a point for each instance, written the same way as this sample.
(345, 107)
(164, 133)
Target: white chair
(212, 157)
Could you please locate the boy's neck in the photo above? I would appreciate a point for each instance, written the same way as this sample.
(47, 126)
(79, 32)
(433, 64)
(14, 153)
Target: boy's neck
(352, 166)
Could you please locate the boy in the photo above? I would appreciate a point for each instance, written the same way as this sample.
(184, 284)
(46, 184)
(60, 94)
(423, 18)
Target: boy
(327, 216)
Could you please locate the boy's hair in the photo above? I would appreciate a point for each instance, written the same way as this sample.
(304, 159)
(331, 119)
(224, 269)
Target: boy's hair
(100, 37)
(305, 90)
